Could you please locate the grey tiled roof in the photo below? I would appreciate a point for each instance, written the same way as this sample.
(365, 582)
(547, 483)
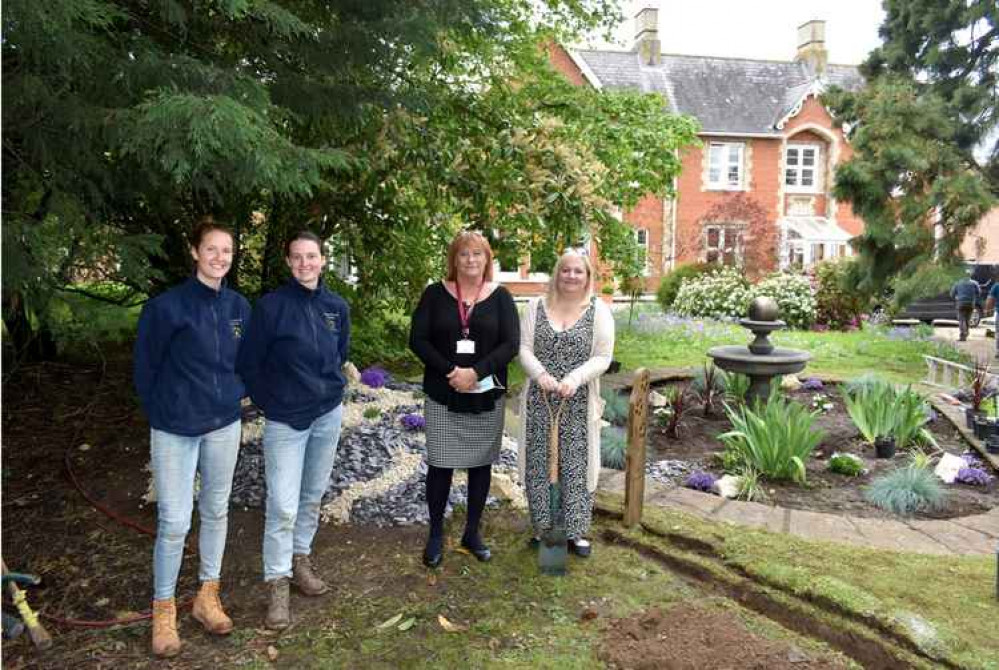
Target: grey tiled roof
(728, 95)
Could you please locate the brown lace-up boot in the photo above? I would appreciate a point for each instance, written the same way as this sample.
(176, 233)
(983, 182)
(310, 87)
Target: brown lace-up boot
(305, 578)
(279, 607)
(166, 642)
(208, 609)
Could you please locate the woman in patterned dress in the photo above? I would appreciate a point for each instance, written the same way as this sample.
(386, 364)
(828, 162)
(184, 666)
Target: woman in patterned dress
(566, 343)
(465, 331)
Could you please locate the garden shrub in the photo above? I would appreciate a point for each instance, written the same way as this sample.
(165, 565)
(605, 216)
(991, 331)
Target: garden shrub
(906, 491)
(708, 386)
(775, 438)
(615, 407)
(613, 448)
(879, 409)
(372, 413)
(669, 286)
(794, 297)
(383, 338)
(736, 388)
(700, 481)
(846, 464)
(867, 379)
(722, 293)
(837, 305)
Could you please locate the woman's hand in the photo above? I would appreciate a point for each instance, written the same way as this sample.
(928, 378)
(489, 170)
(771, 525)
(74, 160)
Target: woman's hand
(567, 389)
(548, 383)
(463, 379)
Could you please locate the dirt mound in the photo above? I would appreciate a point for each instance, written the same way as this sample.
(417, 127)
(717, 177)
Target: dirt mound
(693, 638)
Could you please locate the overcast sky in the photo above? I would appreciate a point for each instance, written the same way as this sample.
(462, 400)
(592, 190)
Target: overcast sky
(765, 29)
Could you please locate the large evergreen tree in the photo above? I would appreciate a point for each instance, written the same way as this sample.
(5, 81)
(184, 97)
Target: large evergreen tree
(926, 160)
(385, 124)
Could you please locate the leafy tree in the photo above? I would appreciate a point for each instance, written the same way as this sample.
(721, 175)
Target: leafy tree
(930, 104)
(384, 125)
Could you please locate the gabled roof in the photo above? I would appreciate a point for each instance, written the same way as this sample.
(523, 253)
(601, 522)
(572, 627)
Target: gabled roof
(727, 95)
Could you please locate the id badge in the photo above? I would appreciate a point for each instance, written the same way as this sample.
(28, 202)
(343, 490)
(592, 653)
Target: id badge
(466, 346)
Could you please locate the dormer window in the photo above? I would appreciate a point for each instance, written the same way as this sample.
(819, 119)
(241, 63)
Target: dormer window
(803, 168)
(725, 169)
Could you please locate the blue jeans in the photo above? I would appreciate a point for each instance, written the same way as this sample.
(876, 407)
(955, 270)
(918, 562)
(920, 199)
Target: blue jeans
(175, 459)
(298, 464)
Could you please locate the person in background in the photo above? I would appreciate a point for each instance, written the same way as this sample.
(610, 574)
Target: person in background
(465, 332)
(566, 343)
(965, 293)
(185, 376)
(298, 341)
(992, 305)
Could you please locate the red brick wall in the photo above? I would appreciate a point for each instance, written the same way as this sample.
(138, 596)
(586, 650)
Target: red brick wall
(562, 61)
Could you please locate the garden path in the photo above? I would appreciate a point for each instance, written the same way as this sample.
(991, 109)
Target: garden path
(977, 534)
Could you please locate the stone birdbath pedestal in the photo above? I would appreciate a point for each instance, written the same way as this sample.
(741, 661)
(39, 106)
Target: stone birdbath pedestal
(761, 361)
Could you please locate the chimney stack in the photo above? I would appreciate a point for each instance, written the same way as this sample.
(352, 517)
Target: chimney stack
(647, 44)
(812, 46)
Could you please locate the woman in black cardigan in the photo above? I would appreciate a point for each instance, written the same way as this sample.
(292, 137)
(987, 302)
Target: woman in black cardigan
(466, 331)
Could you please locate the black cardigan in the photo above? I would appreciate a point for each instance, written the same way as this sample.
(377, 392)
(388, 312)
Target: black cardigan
(494, 327)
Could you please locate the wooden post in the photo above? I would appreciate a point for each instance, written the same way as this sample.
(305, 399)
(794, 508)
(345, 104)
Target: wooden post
(634, 463)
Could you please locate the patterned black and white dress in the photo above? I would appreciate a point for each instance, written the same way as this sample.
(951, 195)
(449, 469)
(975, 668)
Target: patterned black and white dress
(559, 352)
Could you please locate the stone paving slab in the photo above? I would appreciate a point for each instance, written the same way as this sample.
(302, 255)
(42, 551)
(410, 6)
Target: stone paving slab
(753, 515)
(984, 523)
(959, 539)
(701, 504)
(896, 536)
(820, 526)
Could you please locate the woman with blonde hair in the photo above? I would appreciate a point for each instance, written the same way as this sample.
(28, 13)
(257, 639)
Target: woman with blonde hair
(566, 343)
(465, 332)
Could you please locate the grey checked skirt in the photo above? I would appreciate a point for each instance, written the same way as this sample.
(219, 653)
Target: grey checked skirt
(460, 440)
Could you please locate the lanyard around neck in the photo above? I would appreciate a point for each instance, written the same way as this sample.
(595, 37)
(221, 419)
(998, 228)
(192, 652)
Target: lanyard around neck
(465, 313)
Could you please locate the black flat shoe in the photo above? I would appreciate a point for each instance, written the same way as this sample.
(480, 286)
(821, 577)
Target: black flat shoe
(534, 542)
(480, 551)
(433, 553)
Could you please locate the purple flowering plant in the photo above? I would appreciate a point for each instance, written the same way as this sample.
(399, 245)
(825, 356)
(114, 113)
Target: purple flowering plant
(973, 477)
(812, 384)
(700, 481)
(375, 377)
(413, 422)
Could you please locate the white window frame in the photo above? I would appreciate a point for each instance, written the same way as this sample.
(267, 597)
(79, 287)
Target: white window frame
(735, 246)
(795, 169)
(726, 168)
(644, 246)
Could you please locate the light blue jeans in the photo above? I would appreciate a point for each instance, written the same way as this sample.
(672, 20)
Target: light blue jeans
(174, 460)
(298, 464)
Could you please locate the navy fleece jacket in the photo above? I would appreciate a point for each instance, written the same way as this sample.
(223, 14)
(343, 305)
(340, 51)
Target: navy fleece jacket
(185, 358)
(298, 340)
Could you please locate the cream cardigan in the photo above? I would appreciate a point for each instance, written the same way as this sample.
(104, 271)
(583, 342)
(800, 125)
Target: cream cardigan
(588, 373)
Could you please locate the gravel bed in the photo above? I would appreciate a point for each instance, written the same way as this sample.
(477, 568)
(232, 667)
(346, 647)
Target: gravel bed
(671, 473)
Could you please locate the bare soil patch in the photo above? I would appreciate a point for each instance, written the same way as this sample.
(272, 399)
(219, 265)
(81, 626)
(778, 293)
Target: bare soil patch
(824, 491)
(692, 637)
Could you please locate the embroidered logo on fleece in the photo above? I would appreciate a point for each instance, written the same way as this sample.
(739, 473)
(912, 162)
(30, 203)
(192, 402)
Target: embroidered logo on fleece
(332, 321)
(237, 328)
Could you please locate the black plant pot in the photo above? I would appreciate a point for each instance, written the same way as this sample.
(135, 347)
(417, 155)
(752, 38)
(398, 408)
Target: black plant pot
(884, 447)
(969, 416)
(981, 427)
(992, 444)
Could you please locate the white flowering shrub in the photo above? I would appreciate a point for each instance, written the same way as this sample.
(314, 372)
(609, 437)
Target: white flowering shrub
(722, 293)
(794, 296)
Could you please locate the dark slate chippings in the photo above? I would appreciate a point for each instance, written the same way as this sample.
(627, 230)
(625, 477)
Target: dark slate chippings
(363, 454)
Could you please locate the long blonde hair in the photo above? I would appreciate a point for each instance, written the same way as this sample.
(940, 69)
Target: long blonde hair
(552, 292)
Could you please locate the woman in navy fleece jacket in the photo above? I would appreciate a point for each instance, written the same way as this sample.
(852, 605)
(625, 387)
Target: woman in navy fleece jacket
(291, 360)
(185, 360)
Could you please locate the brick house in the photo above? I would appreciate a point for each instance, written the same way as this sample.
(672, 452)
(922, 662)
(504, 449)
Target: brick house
(757, 192)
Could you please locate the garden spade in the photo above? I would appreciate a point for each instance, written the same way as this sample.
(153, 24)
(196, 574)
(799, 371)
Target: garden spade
(552, 550)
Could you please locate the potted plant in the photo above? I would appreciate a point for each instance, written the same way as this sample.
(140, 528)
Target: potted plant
(884, 446)
(607, 293)
(977, 392)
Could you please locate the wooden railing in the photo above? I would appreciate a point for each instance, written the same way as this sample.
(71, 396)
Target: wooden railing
(948, 374)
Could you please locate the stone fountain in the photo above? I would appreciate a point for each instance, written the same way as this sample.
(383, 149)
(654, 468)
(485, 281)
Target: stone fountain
(761, 361)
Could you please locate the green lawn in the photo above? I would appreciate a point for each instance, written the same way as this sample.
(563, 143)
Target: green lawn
(654, 340)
